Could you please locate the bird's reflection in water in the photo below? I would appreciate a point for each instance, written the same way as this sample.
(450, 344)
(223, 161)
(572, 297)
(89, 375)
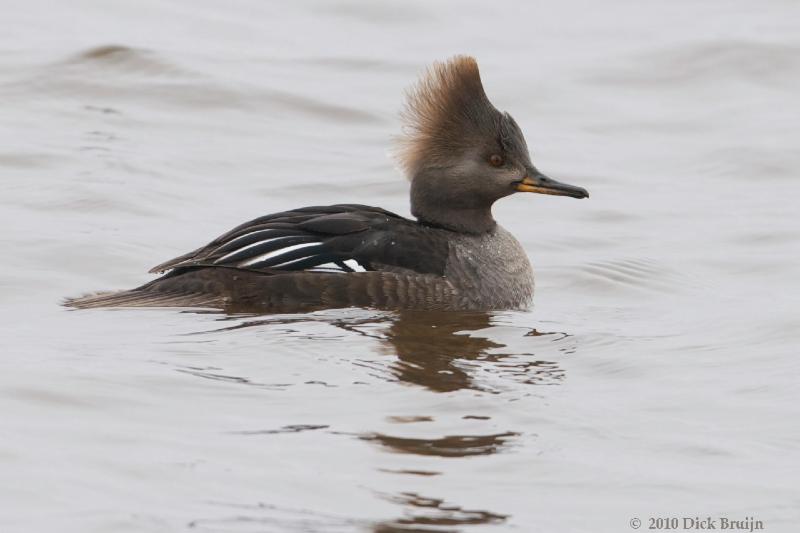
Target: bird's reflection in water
(433, 351)
(448, 446)
(443, 352)
(433, 515)
(429, 346)
(420, 514)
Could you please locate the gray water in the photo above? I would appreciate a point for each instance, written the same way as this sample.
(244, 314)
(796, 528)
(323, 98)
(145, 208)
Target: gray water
(655, 376)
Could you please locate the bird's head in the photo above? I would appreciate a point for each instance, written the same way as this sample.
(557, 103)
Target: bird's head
(462, 154)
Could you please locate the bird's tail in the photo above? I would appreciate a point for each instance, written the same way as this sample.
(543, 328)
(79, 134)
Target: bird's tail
(142, 297)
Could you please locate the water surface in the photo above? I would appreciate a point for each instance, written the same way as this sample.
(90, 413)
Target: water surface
(656, 375)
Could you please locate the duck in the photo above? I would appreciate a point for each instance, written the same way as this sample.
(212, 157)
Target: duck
(460, 155)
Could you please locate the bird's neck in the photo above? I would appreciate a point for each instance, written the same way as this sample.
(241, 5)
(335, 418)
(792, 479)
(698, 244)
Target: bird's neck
(441, 206)
(474, 221)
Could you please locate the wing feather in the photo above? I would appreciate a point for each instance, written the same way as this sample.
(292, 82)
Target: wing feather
(336, 238)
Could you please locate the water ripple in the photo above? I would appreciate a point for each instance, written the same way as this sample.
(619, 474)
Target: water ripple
(702, 63)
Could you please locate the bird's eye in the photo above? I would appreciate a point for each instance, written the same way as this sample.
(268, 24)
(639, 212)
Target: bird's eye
(496, 160)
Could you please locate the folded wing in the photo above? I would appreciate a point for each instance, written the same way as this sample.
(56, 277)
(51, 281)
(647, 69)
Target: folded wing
(331, 239)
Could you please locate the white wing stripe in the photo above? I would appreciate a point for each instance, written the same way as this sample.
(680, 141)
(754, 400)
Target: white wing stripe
(279, 252)
(352, 263)
(236, 251)
(290, 262)
(265, 232)
(328, 266)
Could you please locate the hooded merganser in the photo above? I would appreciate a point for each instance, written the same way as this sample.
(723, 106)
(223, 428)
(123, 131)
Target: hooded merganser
(461, 155)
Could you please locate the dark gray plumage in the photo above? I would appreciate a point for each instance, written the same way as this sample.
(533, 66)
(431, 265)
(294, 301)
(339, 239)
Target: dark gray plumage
(461, 155)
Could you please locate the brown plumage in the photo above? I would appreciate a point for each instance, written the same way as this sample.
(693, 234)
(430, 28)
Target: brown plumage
(238, 290)
(444, 113)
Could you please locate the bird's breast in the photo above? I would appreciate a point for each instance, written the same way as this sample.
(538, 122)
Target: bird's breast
(490, 271)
